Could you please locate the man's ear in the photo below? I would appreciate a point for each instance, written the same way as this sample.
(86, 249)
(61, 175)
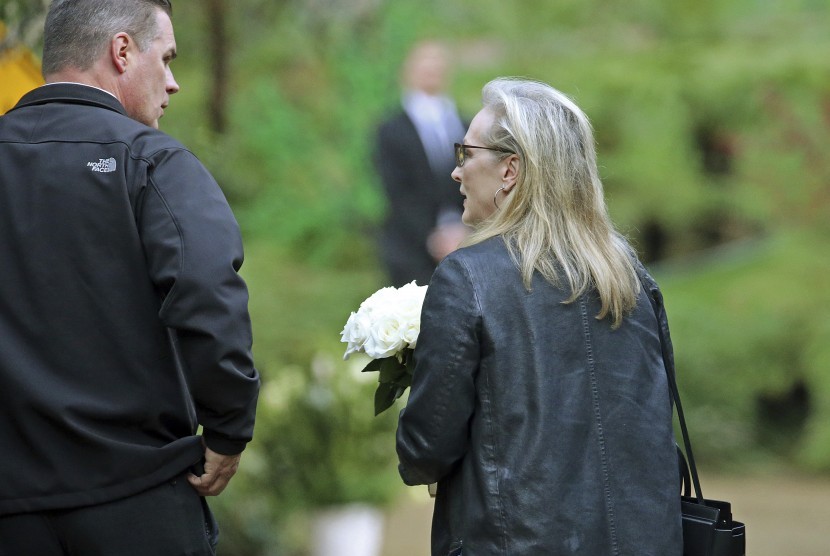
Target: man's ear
(511, 172)
(121, 47)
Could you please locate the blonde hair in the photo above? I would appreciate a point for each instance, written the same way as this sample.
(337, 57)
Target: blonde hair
(555, 220)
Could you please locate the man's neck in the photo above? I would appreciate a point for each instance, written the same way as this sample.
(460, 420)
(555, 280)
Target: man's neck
(94, 77)
(82, 84)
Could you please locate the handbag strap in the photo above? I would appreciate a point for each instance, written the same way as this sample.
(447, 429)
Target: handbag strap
(656, 299)
(685, 476)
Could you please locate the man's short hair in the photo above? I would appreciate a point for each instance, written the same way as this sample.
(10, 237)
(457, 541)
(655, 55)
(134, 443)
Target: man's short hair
(78, 31)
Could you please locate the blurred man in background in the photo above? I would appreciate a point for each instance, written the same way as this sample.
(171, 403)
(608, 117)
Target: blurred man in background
(414, 158)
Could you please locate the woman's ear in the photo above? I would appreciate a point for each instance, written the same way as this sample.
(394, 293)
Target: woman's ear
(511, 172)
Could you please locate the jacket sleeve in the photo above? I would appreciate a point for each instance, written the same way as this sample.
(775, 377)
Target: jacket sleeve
(434, 428)
(194, 251)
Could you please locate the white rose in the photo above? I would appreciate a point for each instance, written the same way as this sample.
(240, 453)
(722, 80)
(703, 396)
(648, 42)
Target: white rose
(411, 298)
(410, 308)
(379, 300)
(386, 322)
(386, 337)
(356, 332)
(413, 292)
(410, 333)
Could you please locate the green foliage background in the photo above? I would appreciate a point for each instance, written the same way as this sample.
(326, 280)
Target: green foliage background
(743, 261)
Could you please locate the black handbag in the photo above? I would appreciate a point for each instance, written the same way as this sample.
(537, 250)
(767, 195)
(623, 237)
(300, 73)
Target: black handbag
(708, 527)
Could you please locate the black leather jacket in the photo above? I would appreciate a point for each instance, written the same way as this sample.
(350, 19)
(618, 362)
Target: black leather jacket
(112, 234)
(548, 432)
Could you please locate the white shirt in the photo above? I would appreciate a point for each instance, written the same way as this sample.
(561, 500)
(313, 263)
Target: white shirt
(438, 125)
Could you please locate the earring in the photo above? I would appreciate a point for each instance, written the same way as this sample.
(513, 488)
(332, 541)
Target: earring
(496, 195)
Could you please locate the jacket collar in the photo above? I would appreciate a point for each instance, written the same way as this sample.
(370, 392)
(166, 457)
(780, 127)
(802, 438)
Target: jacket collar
(73, 93)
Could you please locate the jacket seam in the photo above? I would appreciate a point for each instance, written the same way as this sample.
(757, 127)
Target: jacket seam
(606, 486)
(490, 428)
(170, 294)
(34, 128)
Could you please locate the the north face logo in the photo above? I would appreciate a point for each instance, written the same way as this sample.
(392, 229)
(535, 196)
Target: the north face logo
(103, 165)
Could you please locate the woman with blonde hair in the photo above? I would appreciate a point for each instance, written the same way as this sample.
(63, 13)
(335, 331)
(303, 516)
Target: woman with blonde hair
(540, 402)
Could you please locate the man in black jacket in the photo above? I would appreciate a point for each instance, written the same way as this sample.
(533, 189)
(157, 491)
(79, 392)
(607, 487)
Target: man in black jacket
(414, 158)
(123, 321)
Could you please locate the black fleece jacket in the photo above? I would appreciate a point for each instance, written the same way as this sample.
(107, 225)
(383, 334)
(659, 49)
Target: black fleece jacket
(123, 321)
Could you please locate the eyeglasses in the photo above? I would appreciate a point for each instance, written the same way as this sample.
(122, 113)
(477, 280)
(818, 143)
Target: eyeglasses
(460, 157)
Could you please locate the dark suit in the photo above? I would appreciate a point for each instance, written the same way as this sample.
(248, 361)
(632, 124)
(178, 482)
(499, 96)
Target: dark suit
(416, 196)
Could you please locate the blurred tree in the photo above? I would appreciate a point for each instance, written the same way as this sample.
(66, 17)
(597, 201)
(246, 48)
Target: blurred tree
(219, 75)
(19, 68)
(23, 21)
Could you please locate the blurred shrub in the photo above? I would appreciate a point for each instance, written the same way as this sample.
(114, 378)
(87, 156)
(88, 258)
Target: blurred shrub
(318, 446)
(746, 326)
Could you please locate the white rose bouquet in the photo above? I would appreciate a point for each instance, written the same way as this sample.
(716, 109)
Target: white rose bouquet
(386, 328)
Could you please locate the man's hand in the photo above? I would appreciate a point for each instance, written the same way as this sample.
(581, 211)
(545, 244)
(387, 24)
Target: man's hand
(218, 472)
(445, 239)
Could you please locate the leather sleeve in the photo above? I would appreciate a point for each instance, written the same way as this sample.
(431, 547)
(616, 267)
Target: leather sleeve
(434, 428)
